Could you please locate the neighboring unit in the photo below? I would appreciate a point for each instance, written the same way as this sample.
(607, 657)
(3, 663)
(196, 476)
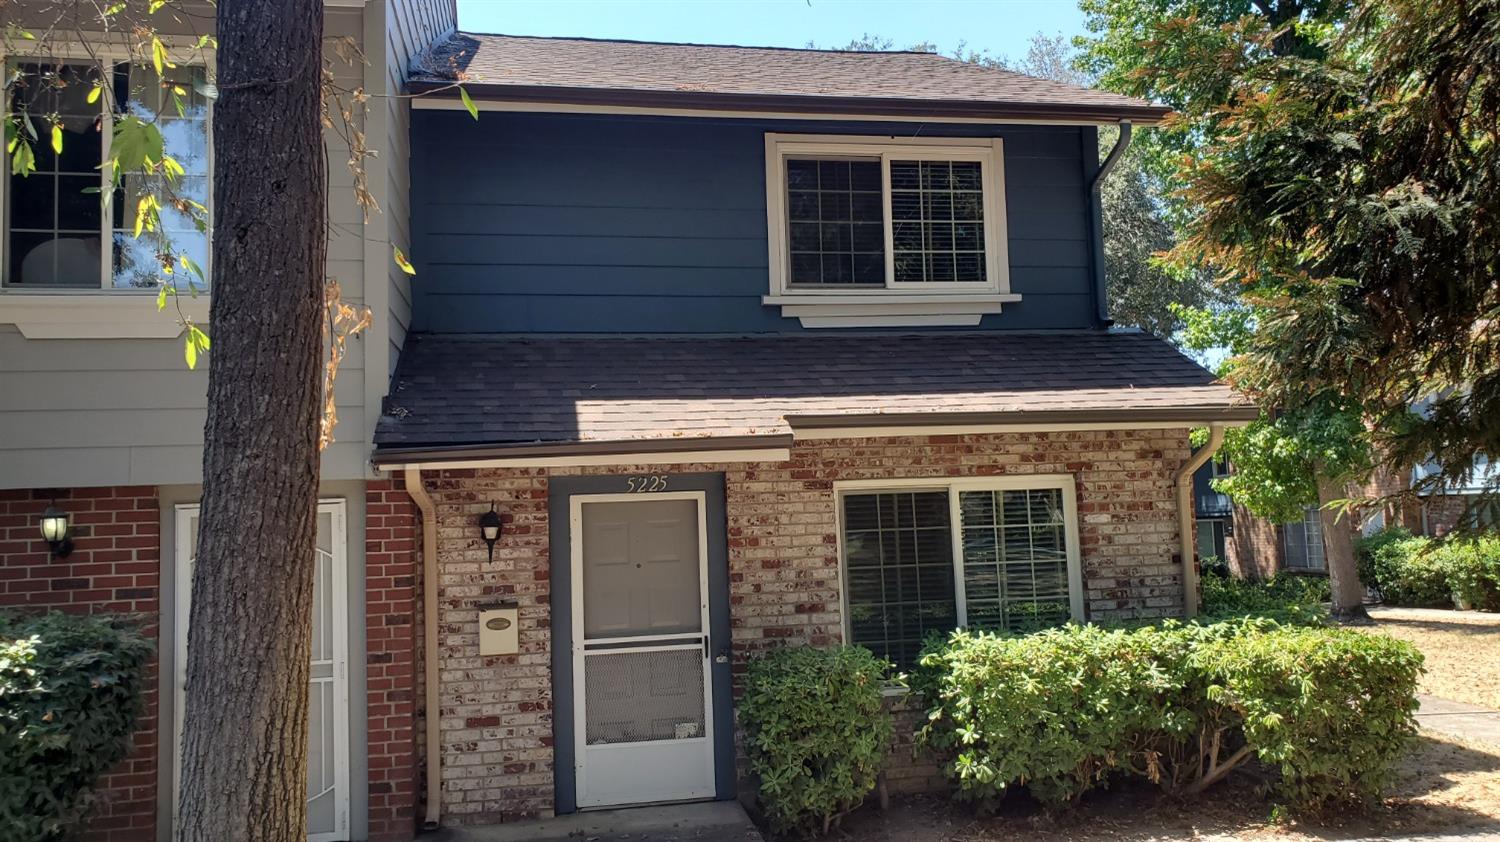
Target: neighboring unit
(1255, 547)
(100, 416)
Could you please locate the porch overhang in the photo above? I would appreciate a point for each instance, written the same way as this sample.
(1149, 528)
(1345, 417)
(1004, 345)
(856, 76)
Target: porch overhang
(467, 401)
(589, 453)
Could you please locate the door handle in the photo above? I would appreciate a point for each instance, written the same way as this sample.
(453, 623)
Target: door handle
(721, 658)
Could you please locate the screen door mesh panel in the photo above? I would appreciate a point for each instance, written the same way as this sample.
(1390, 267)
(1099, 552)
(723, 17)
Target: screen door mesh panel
(634, 697)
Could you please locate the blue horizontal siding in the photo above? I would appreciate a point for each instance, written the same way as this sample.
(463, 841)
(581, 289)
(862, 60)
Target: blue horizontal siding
(581, 224)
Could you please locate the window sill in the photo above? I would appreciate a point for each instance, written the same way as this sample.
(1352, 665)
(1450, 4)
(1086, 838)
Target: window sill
(890, 309)
(96, 314)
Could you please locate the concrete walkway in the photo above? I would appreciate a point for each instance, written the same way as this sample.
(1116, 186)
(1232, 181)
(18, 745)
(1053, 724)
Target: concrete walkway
(718, 821)
(1457, 719)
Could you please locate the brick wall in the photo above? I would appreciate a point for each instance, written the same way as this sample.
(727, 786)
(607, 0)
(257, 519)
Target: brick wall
(1255, 549)
(114, 568)
(392, 621)
(1443, 513)
(783, 566)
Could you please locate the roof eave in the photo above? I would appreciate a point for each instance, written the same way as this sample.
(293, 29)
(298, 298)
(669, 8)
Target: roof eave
(1140, 115)
(462, 453)
(1192, 415)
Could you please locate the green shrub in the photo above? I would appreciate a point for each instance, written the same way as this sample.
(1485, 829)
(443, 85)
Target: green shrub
(1225, 596)
(70, 693)
(1331, 709)
(1408, 572)
(1057, 710)
(816, 732)
(1367, 546)
(1472, 569)
(1063, 711)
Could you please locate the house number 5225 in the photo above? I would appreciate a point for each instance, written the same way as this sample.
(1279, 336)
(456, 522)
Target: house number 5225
(646, 484)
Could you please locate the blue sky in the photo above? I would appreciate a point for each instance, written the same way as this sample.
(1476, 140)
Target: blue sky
(1003, 27)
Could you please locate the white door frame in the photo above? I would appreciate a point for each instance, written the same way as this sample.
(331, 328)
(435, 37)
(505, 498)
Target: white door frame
(585, 798)
(182, 520)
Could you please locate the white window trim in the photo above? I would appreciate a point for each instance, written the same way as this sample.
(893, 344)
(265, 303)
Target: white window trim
(1029, 482)
(101, 312)
(895, 304)
(1310, 517)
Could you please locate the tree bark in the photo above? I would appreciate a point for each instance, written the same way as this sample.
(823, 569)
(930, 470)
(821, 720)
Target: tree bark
(244, 751)
(1338, 544)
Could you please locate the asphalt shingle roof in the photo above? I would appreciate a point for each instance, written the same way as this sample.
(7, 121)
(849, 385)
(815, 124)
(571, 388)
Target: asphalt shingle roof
(453, 390)
(658, 73)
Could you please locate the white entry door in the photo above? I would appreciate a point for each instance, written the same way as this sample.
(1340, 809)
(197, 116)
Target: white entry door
(643, 708)
(328, 703)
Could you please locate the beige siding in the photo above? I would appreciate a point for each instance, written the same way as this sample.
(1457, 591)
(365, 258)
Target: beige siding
(91, 412)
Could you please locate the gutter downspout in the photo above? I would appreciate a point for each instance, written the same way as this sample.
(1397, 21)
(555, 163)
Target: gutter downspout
(419, 496)
(1096, 215)
(1184, 480)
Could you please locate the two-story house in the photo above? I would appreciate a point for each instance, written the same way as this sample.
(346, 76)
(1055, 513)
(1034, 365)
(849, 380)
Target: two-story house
(709, 350)
(751, 348)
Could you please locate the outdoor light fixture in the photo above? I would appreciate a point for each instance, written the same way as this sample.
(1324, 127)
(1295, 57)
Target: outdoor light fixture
(55, 531)
(489, 529)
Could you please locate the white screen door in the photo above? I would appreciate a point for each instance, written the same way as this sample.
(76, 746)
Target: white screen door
(328, 702)
(643, 709)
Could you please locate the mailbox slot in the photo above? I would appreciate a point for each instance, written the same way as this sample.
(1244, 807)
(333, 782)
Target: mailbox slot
(498, 629)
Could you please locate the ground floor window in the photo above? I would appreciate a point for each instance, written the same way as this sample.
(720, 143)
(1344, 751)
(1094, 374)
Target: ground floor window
(1211, 534)
(1485, 515)
(927, 556)
(1304, 542)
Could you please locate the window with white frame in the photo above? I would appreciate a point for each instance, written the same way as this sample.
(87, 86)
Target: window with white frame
(58, 234)
(886, 218)
(1211, 538)
(924, 557)
(1304, 542)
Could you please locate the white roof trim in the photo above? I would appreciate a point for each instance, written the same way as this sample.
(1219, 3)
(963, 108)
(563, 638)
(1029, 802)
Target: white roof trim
(430, 103)
(584, 460)
(865, 432)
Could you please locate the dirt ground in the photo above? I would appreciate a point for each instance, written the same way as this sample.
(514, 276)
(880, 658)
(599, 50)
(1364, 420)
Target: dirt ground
(1446, 788)
(1462, 650)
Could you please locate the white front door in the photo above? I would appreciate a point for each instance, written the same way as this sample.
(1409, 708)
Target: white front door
(328, 702)
(643, 706)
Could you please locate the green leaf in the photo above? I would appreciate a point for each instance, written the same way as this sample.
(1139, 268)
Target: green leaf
(196, 342)
(57, 138)
(161, 297)
(468, 103)
(402, 261)
(192, 266)
(23, 162)
(159, 56)
(94, 93)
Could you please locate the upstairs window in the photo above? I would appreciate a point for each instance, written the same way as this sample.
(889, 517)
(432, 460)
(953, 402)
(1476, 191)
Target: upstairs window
(876, 221)
(58, 234)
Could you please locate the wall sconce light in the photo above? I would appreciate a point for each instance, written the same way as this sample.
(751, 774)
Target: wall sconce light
(55, 532)
(489, 529)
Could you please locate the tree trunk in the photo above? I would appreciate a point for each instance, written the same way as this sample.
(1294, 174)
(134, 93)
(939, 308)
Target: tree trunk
(244, 752)
(1338, 543)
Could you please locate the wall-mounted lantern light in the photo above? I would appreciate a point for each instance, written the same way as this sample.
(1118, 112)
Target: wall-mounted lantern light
(489, 529)
(55, 532)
